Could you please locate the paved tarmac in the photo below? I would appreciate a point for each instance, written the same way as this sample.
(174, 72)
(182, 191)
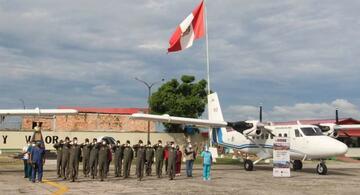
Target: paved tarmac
(342, 178)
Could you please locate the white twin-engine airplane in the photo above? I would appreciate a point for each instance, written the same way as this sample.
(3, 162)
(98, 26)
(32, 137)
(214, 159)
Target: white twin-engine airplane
(253, 137)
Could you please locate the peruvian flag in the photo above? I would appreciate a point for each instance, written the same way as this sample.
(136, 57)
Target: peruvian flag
(190, 29)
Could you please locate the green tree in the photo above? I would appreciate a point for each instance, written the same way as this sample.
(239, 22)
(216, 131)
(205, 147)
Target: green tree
(185, 99)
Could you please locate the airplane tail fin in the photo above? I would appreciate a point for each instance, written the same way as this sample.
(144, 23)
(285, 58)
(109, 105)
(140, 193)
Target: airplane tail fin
(215, 113)
(214, 109)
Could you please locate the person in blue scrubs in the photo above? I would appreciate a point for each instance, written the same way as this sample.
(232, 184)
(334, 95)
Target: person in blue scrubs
(37, 159)
(30, 168)
(207, 161)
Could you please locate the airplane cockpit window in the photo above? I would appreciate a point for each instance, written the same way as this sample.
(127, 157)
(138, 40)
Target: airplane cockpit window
(262, 136)
(297, 133)
(266, 136)
(272, 136)
(285, 135)
(318, 130)
(309, 131)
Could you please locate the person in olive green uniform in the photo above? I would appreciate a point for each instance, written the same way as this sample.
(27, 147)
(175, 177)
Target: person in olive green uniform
(166, 157)
(103, 159)
(59, 150)
(172, 161)
(86, 148)
(118, 157)
(75, 157)
(140, 160)
(159, 158)
(149, 158)
(94, 152)
(128, 156)
(65, 171)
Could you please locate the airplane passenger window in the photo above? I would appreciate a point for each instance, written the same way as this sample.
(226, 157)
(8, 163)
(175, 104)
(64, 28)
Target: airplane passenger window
(280, 135)
(285, 135)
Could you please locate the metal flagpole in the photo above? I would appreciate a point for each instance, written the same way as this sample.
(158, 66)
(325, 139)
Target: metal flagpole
(207, 66)
(207, 48)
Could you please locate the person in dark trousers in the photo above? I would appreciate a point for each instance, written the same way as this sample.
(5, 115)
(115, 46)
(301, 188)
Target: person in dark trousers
(109, 159)
(86, 148)
(37, 160)
(190, 157)
(65, 171)
(140, 160)
(149, 153)
(94, 152)
(178, 160)
(128, 156)
(159, 158)
(118, 157)
(166, 157)
(59, 151)
(103, 159)
(172, 161)
(74, 160)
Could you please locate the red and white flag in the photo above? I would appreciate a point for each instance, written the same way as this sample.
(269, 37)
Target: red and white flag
(190, 29)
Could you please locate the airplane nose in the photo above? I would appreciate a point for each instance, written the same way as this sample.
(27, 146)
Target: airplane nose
(341, 148)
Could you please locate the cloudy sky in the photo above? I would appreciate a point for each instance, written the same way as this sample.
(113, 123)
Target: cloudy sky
(298, 58)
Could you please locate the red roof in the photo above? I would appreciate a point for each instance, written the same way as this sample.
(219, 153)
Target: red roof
(126, 111)
(349, 132)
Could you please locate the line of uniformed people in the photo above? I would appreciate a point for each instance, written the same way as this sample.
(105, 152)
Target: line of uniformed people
(96, 157)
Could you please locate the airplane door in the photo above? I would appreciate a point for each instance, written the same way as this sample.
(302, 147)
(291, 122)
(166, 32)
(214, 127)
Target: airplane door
(297, 142)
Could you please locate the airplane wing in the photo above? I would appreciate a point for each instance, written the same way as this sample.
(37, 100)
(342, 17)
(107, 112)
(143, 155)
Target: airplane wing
(179, 120)
(36, 111)
(338, 127)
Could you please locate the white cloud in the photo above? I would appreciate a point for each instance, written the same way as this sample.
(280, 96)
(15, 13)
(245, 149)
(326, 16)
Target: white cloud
(278, 51)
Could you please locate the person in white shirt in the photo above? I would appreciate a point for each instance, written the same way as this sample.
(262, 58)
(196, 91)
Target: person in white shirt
(25, 159)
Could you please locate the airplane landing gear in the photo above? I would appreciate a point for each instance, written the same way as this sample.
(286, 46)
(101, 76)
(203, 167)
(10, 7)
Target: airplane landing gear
(248, 165)
(321, 168)
(297, 165)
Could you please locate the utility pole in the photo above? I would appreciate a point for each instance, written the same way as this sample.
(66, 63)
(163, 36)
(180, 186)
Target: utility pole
(149, 86)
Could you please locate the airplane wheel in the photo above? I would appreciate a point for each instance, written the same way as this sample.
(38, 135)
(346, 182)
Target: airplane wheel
(297, 165)
(248, 165)
(321, 169)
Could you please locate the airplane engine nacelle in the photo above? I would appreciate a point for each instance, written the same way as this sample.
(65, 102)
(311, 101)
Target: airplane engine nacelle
(329, 130)
(334, 134)
(254, 131)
